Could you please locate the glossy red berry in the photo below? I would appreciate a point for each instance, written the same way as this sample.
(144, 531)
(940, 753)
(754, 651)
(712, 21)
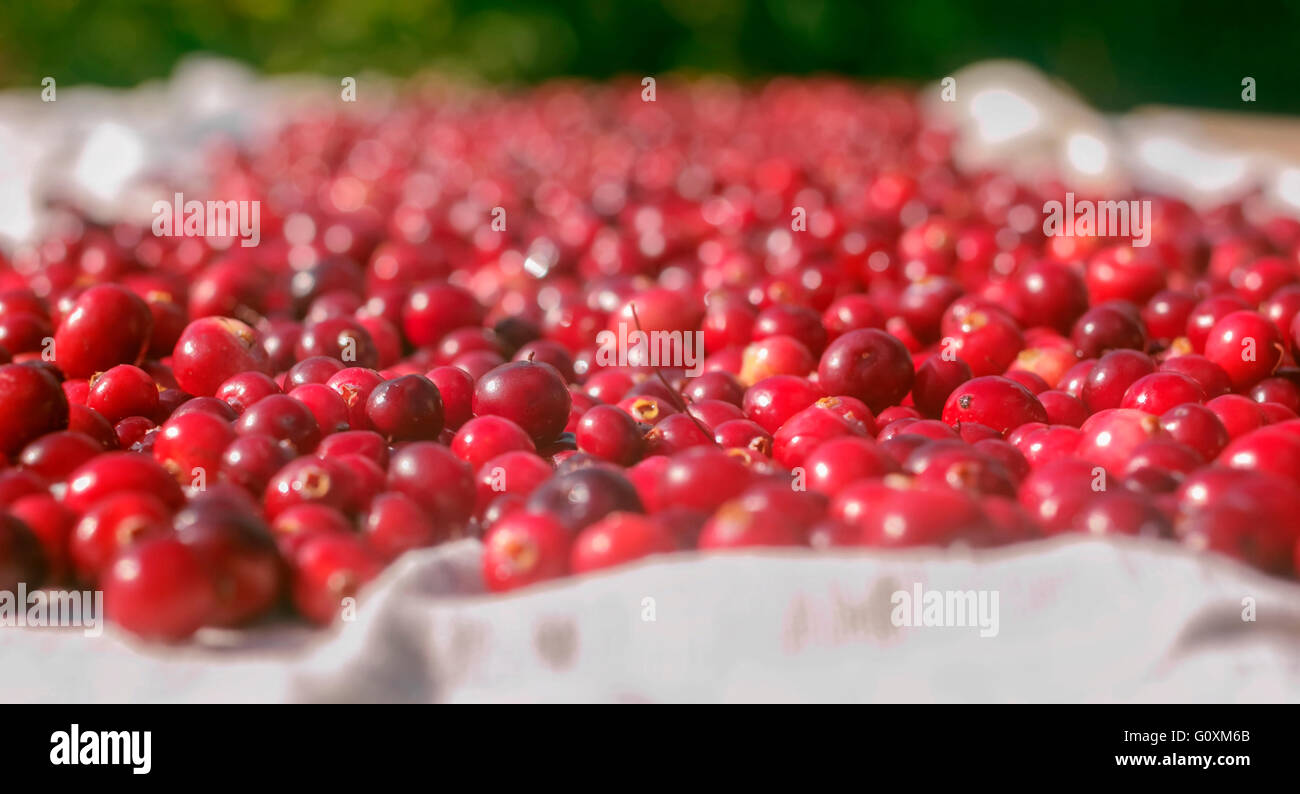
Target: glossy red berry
(408, 408)
(524, 548)
(108, 325)
(869, 365)
(532, 396)
(998, 402)
(158, 590)
(213, 349)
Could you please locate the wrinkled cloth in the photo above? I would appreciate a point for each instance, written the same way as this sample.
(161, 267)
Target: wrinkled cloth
(1081, 619)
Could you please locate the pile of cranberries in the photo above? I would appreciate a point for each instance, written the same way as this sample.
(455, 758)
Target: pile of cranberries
(893, 355)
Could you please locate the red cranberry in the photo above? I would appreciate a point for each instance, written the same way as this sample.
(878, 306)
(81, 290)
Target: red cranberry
(1114, 373)
(457, 390)
(1110, 437)
(434, 309)
(213, 349)
(408, 408)
(1056, 493)
(1109, 326)
(1165, 315)
(238, 555)
(325, 404)
(34, 404)
(1207, 313)
(849, 313)
(355, 385)
(524, 548)
(1198, 427)
(936, 378)
(1246, 345)
(715, 386)
(763, 516)
(158, 590)
(808, 429)
(676, 433)
(702, 479)
(1239, 415)
(327, 569)
(1253, 520)
(57, 455)
(905, 514)
(120, 471)
(317, 369)
(836, 463)
(517, 472)
(1162, 391)
(987, 340)
(437, 480)
(1268, 449)
(775, 355)
(869, 365)
(998, 402)
(610, 434)
(532, 396)
(123, 391)
(251, 460)
(743, 434)
(309, 480)
(21, 557)
(584, 496)
(366, 443)
(108, 325)
(112, 524)
(955, 464)
(1208, 375)
(617, 539)
(246, 389)
(51, 523)
(1062, 408)
(483, 438)
(395, 524)
(284, 419)
(341, 338)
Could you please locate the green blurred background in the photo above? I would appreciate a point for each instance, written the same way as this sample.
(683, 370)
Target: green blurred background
(1118, 54)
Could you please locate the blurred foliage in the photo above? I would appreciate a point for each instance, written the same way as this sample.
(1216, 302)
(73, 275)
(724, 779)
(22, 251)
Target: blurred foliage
(1117, 54)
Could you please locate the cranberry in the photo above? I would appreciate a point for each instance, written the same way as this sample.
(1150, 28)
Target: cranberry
(108, 325)
(355, 385)
(1110, 436)
(212, 350)
(310, 480)
(251, 460)
(284, 419)
(191, 445)
(836, 463)
(937, 378)
(1111, 378)
(235, 548)
(134, 433)
(317, 369)
(676, 433)
(441, 483)
(1208, 375)
(1162, 391)
(808, 429)
(763, 516)
(112, 524)
(395, 524)
(1268, 449)
(1198, 427)
(1277, 390)
(1109, 326)
(34, 404)
(123, 391)
(1253, 520)
(987, 340)
(366, 443)
(325, 404)
(1246, 345)
(610, 434)
(1239, 415)
(955, 464)
(246, 389)
(158, 590)
(51, 523)
(1165, 315)
(114, 472)
(1206, 314)
(524, 548)
(408, 408)
(898, 513)
(298, 522)
(341, 338)
(434, 309)
(1062, 408)
(775, 355)
(21, 558)
(583, 496)
(531, 395)
(57, 455)
(617, 539)
(998, 402)
(1057, 493)
(719, 386)
(327, 569)
(483, 438)
(457, 390)
(867, 364)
